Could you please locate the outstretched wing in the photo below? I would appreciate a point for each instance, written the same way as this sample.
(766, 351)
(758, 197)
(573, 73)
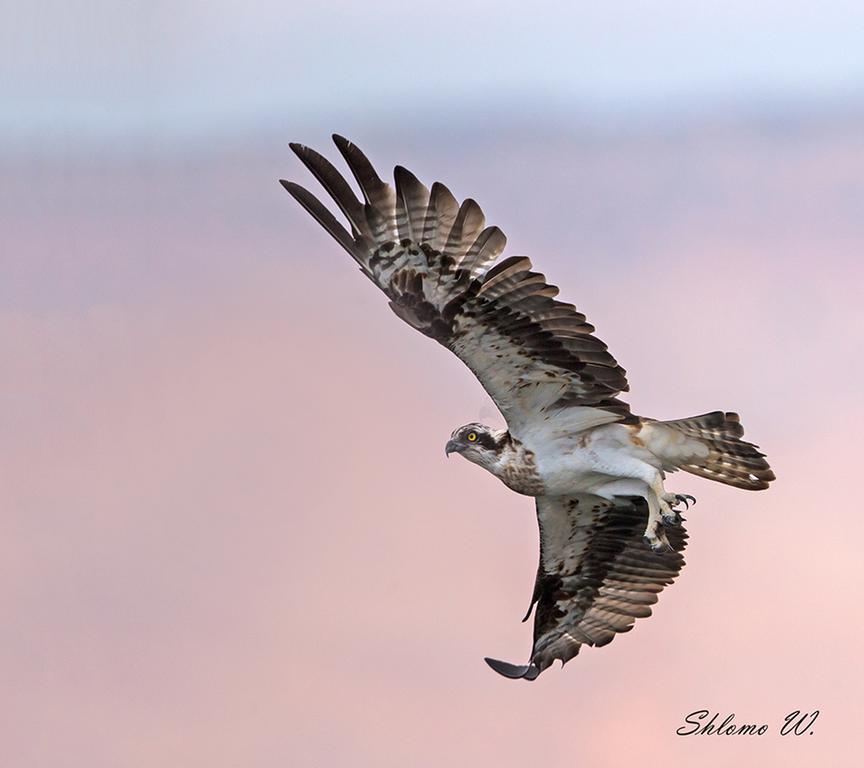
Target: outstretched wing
(435, 260)
(596, 576)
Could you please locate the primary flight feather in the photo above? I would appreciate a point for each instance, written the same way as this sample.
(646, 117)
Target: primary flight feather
(610, 536)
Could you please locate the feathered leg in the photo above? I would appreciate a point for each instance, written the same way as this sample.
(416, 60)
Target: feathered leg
(661, 512)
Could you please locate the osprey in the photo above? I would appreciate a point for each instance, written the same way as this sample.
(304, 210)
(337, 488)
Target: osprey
(610, 535)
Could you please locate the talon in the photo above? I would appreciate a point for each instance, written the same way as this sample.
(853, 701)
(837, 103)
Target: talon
(657, 542)
(685, 498)
(671, 518)
(658, 545)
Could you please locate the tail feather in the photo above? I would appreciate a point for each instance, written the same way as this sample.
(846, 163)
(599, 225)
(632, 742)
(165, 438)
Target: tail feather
(730, 459)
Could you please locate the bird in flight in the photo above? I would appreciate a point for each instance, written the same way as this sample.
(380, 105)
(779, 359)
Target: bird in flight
(610, 534)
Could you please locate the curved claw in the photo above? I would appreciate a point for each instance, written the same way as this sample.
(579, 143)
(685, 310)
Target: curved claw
(671, 520)
(660, 544)
(513, 671)
(686, 499)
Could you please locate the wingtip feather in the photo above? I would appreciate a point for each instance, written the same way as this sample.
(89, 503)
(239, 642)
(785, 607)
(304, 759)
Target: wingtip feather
(513, 671)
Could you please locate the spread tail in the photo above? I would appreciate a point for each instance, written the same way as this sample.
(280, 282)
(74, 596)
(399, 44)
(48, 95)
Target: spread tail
(711, 446)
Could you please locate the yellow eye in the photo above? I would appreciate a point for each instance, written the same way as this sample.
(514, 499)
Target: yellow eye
(471, 437)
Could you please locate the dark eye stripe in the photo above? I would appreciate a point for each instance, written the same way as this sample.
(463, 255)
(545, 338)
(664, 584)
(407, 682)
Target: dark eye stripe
(487, 441)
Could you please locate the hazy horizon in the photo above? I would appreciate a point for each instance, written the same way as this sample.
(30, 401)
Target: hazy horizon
(89, 68)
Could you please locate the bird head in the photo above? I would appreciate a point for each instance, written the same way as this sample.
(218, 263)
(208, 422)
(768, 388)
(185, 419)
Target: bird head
(477, 443)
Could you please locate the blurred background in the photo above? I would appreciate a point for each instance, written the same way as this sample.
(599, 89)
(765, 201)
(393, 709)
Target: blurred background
(228, 533)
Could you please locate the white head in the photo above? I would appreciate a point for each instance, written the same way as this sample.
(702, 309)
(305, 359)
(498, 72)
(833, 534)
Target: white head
(479, 444)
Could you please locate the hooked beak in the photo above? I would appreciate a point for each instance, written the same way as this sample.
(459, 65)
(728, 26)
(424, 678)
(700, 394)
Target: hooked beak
(453, 446)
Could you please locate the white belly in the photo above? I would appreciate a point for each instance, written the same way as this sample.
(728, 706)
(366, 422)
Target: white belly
(604, 461)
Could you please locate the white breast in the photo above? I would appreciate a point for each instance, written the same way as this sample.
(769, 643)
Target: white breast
(589, 461)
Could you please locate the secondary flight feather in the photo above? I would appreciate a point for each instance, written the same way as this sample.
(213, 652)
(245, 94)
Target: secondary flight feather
(610, 535)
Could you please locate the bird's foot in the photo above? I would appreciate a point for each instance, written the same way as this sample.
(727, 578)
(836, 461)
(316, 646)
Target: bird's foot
(669, 501)
(684, 498)
(655, 537)
(668, 515)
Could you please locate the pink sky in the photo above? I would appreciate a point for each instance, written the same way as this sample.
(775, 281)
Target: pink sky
(230, 535)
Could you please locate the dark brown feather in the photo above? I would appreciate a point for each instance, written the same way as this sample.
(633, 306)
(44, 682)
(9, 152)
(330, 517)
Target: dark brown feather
(615, 579)
(467, 226)
(440, 216)
(501, 320)
(326, 219)
(484, 250)
(336, 186)
(412, 200)
(596, 576)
